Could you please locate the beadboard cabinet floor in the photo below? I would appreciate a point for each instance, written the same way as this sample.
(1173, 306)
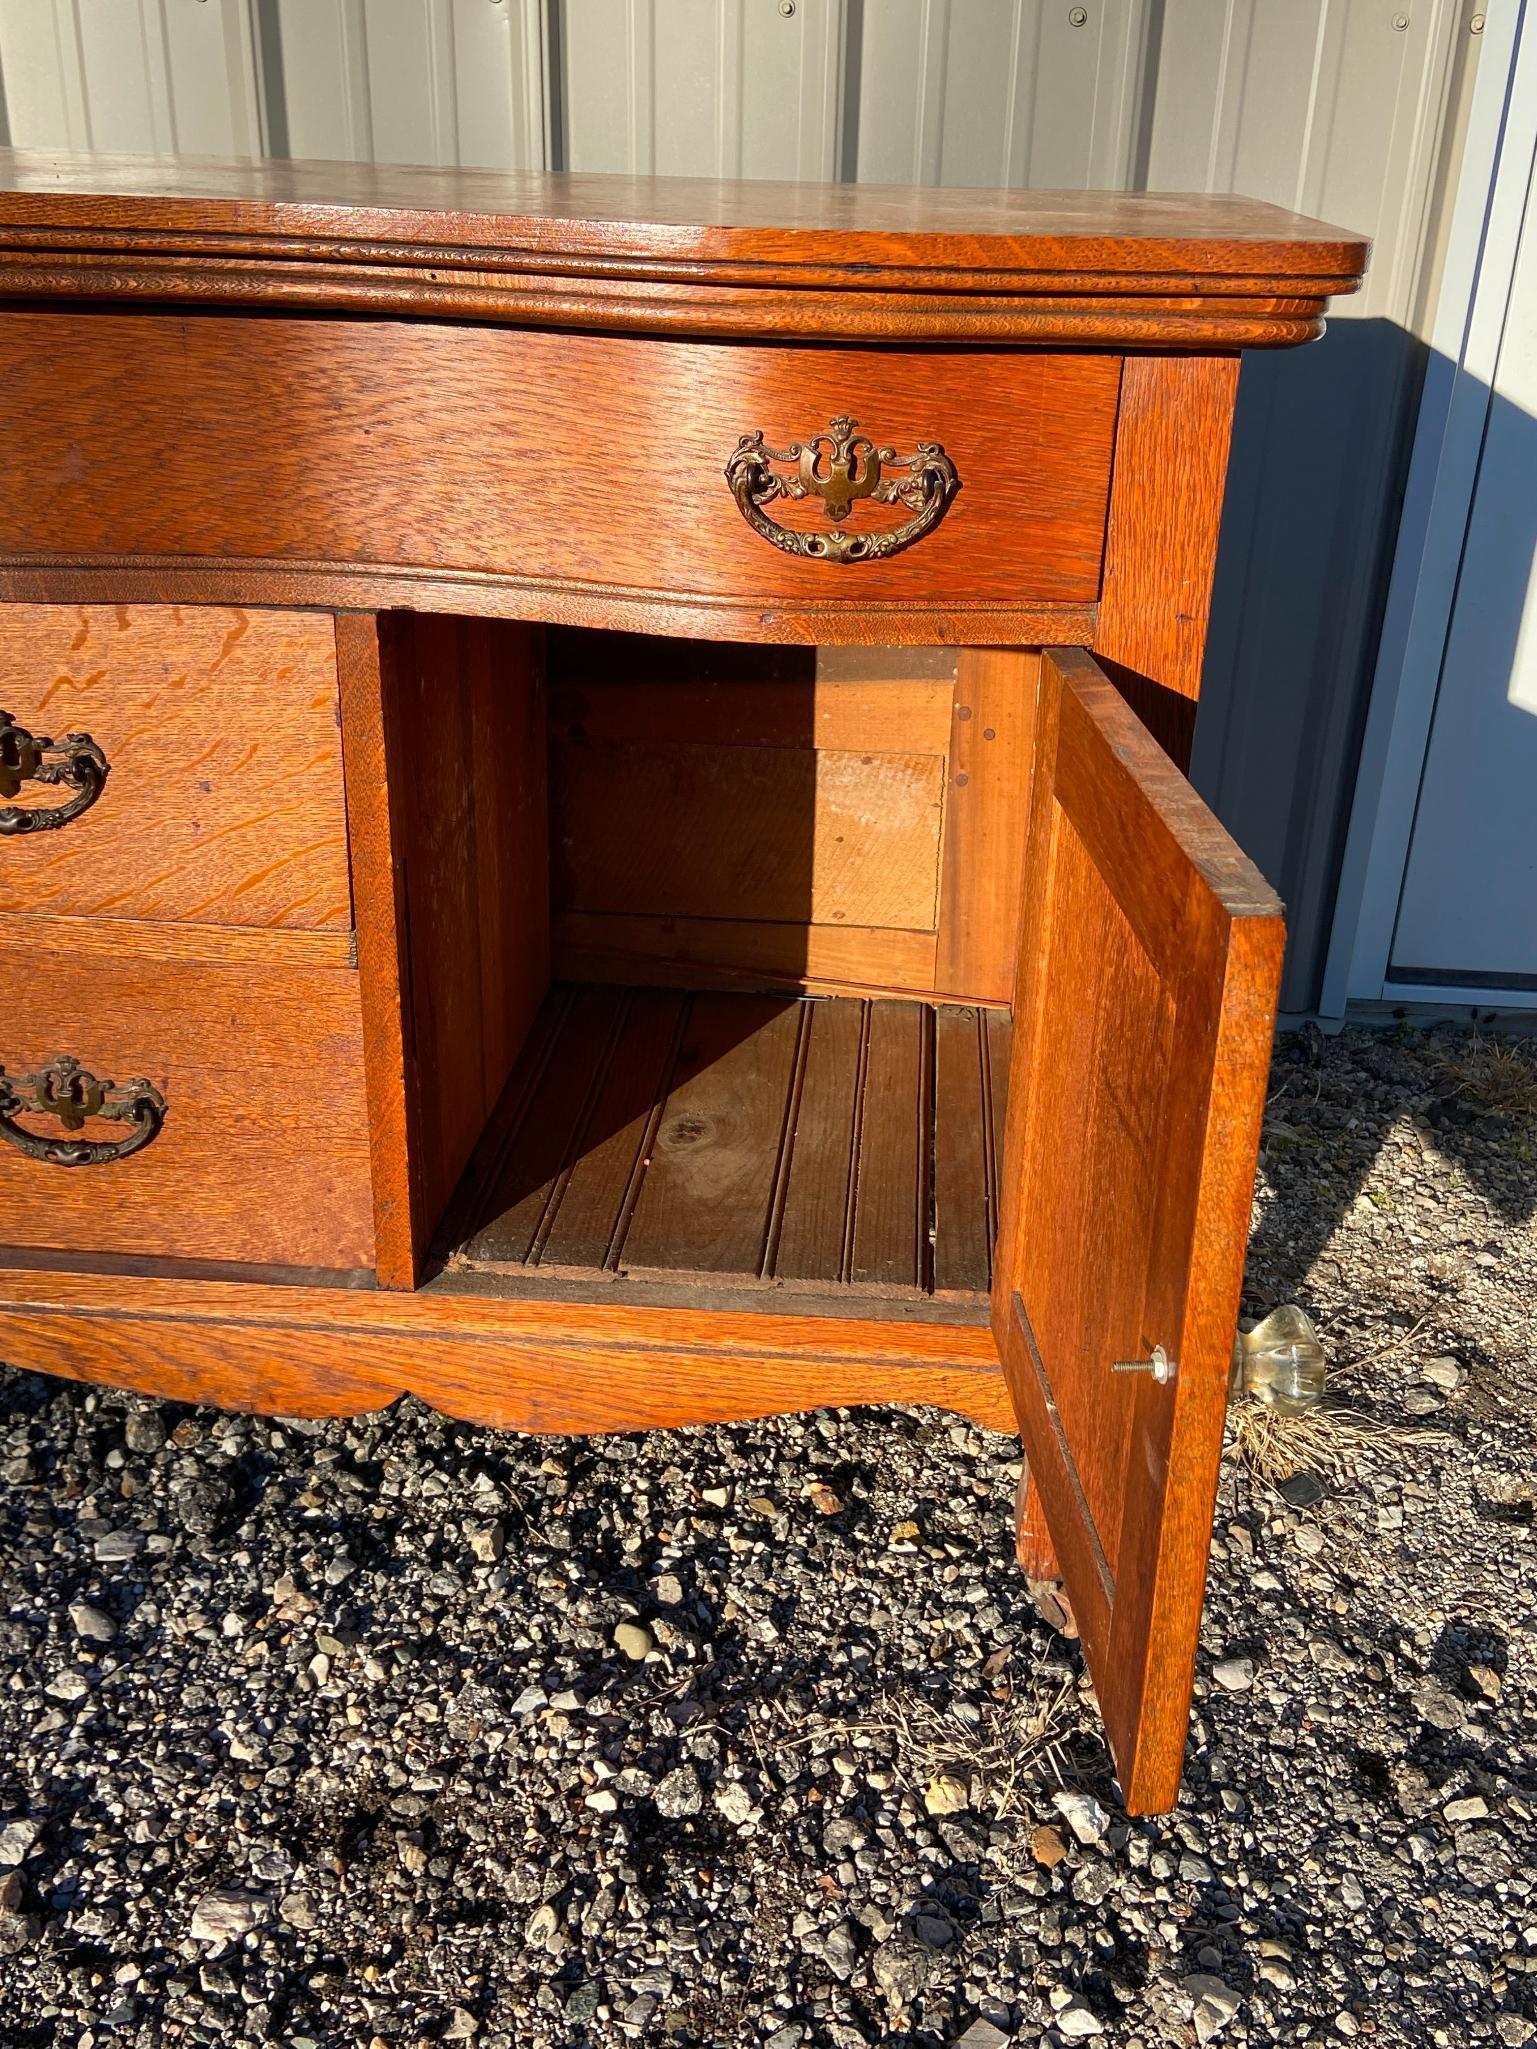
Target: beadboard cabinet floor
(592, 820)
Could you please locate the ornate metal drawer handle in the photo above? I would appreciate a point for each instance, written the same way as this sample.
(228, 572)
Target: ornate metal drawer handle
(838, 467)
(76, 762)
(66, 1090)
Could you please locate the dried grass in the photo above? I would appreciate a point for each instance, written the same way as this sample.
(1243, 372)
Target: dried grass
(1012, 1744)
(1499, 1075)
(1330, 1439)
(1333, 1439)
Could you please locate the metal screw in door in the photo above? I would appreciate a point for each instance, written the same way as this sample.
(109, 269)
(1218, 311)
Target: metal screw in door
(1160, 1365)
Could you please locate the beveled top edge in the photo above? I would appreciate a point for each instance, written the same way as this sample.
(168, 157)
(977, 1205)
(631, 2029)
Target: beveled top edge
(868, 235)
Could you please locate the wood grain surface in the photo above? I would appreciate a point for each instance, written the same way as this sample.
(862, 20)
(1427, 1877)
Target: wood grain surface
(463, 717)
(1171, 447)
(263, 1155)
(365, 445)
(743, 1140)
(987, 806)
(509, 1364)
(377, 815)
(852, 817)
(223, 801)
(1132, 1132)
(685, 255)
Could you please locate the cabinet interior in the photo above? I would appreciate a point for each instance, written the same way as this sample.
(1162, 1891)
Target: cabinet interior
(711, 956)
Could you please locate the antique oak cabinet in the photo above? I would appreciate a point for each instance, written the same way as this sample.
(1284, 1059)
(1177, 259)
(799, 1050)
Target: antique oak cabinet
(592, 819)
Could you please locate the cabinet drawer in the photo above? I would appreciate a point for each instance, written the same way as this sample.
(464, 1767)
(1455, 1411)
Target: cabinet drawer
(262, 1154)
(590, 466)
(222, 797)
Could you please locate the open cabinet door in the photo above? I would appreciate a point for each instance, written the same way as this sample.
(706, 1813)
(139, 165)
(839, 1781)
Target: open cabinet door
(1150, 959)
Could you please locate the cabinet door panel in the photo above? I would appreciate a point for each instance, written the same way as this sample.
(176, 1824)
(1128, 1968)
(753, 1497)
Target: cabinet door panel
(1150, 958)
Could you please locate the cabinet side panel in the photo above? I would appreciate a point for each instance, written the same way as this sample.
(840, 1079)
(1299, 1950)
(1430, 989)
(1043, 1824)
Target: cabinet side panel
(1166, 490)
(466, 718)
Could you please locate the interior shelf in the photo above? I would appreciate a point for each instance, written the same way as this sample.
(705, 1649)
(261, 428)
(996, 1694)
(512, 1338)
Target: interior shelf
(831, 1146)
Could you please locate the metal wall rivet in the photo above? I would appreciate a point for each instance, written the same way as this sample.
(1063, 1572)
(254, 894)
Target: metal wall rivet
(1400, 22)
(963, 711)
(1476, 25)
(787, 8)
(1078, 16)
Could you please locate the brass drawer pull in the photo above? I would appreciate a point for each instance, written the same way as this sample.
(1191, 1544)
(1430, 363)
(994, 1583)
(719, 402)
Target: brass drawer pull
(839, 466)
(67, 1091)
(76, 762)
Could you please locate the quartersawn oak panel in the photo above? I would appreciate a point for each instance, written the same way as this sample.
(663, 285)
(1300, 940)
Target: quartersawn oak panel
(223, 804)
(512, 1364)
(743, 1141)
(827, 836)
(445, 738)
(263, 1156)
(1133, 1125)
(585, 461)
(685, 255)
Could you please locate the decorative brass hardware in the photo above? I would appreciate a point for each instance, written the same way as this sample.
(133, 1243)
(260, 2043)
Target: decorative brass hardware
(840, 466)
(75, 762)
(64, 1089)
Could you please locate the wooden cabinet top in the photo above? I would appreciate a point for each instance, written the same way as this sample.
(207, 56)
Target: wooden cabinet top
(674, 255)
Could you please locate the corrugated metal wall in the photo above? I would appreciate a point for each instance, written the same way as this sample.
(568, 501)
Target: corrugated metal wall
(1339, 107)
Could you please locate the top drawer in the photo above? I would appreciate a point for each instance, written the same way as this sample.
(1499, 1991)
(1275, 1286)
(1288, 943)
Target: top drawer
(222, 802)
(563, 475)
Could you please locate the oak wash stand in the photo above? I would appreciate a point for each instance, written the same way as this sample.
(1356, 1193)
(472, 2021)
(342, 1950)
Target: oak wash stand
(556, 730)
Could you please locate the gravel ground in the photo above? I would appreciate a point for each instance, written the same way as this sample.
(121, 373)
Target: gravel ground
(396, 1731)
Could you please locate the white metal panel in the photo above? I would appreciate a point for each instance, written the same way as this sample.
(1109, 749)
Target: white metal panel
(701, 88)
(213, 78)
(409, 81)
(1324, 105)
(1469, 321)
(995, 92)
(42, 75)
(317, 63)
(150, 76)
(1468, 912)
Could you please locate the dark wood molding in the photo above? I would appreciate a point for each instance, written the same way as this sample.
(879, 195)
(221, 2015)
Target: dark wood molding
(672, 255)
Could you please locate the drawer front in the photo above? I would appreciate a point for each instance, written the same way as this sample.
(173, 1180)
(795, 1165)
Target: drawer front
(262, 1153)
(218, 767)
(591, 462)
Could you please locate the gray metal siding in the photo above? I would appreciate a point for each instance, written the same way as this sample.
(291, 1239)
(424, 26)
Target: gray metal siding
(1325, 105)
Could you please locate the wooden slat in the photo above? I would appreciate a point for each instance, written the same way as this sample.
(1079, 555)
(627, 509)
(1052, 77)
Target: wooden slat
(716, 953)
(593, 1202)
(735, 1138)
(814, 1227)
(375, 835)
(891, 1175)
(228, 946)
(705, 1202)
(961, 1235)
(548, 1137)
(987, 806)
(998, 1028)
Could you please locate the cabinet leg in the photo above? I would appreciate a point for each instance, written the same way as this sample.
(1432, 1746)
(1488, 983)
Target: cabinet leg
(1032, 1543)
